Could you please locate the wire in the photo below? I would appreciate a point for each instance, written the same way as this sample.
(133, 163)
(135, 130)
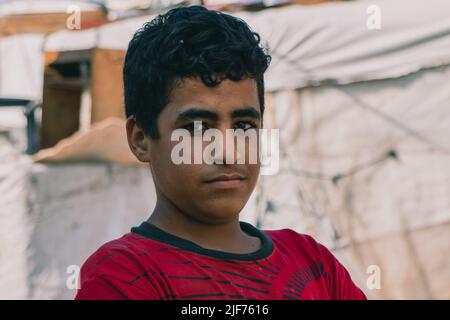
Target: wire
(398, 124)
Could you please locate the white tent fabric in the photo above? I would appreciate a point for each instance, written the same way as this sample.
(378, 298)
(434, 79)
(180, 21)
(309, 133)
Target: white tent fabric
(14, 223)
(43, 6)
(310, 45)
(53, 217)
(332, 43)
(329, 42)
(391, 213)
(115, 35)
(22, 66)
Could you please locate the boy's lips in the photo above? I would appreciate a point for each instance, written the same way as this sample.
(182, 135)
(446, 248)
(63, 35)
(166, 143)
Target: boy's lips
(226, 181)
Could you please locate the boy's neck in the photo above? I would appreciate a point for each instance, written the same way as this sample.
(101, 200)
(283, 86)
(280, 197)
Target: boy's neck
(228, 237)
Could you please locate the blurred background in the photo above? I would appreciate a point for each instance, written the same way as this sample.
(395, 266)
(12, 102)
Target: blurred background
(360, 91)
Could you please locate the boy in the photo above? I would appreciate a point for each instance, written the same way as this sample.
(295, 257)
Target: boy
(196, 69)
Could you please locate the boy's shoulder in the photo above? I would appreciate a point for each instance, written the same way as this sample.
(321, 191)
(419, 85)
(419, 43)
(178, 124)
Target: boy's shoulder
(112, 270)
(287, 233)
(301, 247)
(119, 256)
(293, 239)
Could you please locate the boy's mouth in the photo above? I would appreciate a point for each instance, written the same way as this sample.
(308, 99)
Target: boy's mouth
(226, 181)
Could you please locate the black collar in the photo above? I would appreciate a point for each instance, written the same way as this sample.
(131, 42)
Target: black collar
(153, 232)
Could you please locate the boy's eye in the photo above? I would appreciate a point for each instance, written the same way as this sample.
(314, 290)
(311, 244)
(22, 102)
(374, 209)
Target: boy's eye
(196, 126)
(245, 125)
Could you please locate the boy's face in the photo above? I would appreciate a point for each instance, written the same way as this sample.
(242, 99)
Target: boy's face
(230, 105)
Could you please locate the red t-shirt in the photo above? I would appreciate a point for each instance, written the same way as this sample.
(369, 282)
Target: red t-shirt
(149, 263)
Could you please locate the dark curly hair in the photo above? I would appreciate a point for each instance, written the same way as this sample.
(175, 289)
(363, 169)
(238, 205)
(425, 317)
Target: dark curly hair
(188, 42)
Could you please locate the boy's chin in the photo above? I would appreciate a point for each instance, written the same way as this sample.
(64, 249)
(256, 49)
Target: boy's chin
(222, 212)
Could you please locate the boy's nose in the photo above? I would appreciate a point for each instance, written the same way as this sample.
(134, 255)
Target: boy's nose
(227, 151)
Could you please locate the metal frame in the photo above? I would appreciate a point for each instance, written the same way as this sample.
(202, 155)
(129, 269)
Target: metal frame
(29, 108)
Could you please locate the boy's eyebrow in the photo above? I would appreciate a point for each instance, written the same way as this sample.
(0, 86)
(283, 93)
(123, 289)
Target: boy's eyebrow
(246, 112)
(195, 113)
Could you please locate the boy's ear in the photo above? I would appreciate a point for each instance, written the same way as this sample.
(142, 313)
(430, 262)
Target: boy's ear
(137, 140)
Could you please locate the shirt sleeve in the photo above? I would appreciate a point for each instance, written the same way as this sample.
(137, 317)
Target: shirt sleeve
(340, 283)
(99, 289)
